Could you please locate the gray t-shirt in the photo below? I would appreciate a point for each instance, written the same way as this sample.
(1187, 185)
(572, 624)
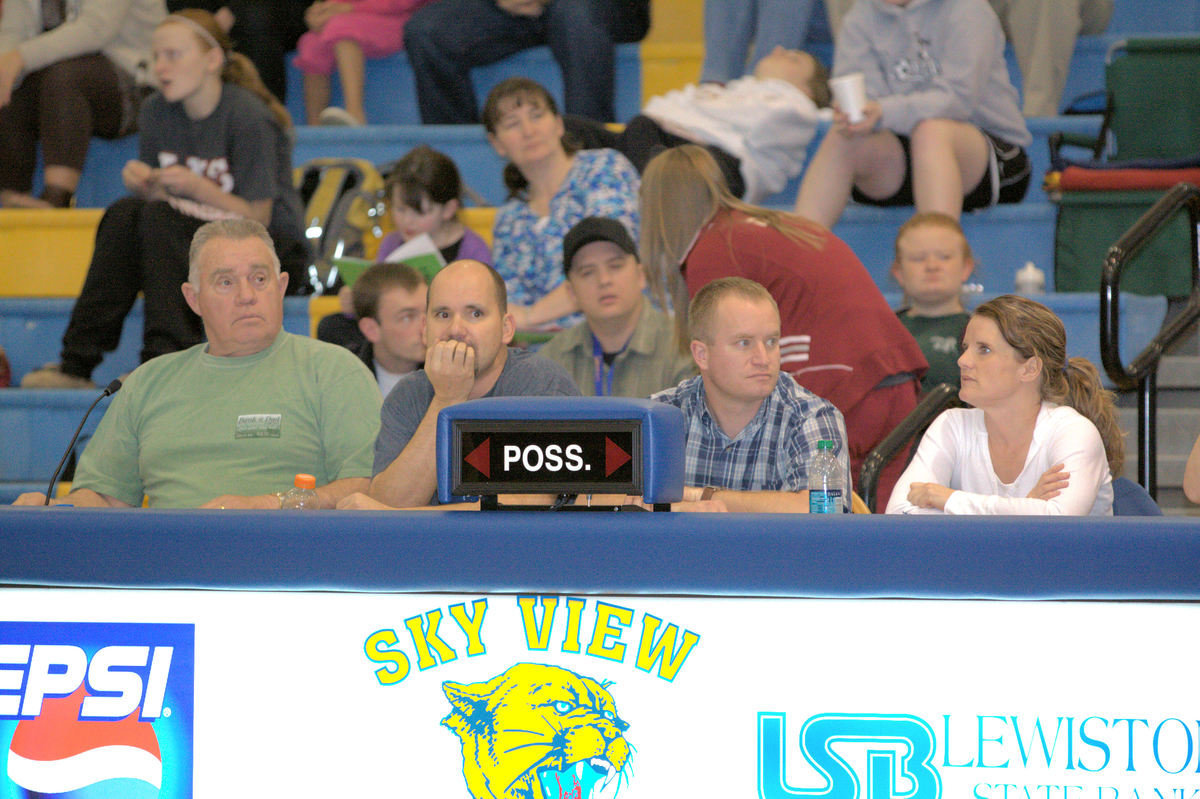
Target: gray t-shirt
(525, 374)
(239, 146)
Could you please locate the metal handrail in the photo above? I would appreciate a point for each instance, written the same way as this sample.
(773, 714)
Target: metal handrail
(933, 403)
(1142, 372)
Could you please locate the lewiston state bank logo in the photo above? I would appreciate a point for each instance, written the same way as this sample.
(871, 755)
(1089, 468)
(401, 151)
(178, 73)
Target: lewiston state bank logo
(860, 756)
(93, 711)
(539, 732)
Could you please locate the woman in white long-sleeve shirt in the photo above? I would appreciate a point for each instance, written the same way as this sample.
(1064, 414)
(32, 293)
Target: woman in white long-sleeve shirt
(1041, 437)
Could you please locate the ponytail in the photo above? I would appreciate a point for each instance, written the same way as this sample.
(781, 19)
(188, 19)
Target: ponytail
(1086, 394)
(1032, 330)
(240, 71)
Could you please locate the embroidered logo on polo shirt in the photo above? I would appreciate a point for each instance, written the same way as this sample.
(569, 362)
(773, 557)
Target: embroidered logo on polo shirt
(259, 425)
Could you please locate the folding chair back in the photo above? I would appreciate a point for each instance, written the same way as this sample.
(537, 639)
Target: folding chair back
(1153, 89)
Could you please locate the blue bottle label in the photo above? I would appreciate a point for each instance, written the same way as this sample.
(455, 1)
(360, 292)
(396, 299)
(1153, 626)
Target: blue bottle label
(827, 501)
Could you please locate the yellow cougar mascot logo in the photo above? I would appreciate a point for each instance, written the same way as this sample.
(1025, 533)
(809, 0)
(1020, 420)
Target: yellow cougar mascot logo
(538, 732)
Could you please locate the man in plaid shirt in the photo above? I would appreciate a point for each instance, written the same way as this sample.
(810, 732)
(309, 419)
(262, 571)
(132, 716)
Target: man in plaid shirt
(751, 429)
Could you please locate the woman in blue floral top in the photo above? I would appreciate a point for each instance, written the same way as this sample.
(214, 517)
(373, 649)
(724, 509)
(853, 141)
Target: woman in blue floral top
(550, 188)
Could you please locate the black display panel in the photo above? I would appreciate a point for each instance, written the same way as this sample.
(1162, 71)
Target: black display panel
(557, 457)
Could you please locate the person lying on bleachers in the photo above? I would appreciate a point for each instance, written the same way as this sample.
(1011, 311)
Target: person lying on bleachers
(624, 347)
(756, 128)
(940, 128)
(214, 144)
(1040, 438)
(68, 71)
(751, 429)
(550, 188)
(229, 423)
(933, 260)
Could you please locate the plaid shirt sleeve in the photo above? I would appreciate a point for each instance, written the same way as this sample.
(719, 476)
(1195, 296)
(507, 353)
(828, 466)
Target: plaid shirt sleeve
(815, 420)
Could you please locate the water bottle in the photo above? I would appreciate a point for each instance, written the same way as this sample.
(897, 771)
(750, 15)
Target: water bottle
(303, 496)
(1030, 279)
(826, 483)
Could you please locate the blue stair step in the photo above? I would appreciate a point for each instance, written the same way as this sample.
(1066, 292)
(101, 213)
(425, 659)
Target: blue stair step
(1003, 239)
(1141, 318)
(31, 332)
(468, 146)
(390, 95)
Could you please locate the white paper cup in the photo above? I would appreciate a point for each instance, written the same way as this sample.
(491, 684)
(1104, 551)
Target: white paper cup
(850, 94)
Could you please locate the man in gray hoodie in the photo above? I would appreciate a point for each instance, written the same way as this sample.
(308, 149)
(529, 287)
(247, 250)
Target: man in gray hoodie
(941, 128)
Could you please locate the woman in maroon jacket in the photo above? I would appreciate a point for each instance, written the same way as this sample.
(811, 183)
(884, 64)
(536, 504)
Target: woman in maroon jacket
(840, 340)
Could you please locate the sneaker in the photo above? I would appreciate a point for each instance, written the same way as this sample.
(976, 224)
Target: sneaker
(337, 116)
(52, 376)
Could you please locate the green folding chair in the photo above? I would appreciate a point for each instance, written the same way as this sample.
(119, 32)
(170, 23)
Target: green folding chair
(1152, 108)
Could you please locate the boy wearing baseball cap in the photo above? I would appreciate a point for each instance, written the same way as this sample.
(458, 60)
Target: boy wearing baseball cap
(624, 347)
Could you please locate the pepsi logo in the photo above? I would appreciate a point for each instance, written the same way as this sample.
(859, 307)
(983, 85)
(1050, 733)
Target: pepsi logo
(57, 754)
(96, 710)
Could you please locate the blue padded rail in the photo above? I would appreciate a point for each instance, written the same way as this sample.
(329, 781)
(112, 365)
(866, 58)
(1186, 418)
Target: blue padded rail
(663, 433)
(659, 553)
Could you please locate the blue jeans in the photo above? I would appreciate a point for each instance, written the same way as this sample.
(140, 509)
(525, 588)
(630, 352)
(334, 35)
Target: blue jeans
(446, 39)
(731, 25)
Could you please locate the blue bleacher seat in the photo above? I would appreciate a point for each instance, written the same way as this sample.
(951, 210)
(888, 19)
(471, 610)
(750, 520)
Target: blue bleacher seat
(31, 332)
(390, 95)
(36, 427)
(1002, 238)
(467, 145)
(1154, 16)
(9, 491)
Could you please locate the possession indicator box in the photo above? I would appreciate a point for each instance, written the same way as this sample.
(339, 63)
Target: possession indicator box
(548, 456)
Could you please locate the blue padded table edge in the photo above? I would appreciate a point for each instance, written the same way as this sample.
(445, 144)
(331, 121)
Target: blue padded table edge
(662, 431)
(603, 553)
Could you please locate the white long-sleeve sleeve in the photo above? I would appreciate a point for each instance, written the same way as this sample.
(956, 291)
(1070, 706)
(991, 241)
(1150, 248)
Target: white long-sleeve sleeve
(954, 453)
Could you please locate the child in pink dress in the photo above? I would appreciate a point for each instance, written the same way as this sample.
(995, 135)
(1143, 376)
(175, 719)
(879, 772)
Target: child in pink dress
(343, 34)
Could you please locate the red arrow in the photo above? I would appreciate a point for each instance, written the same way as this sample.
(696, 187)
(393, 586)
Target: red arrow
(481, 457)
(614, 457)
